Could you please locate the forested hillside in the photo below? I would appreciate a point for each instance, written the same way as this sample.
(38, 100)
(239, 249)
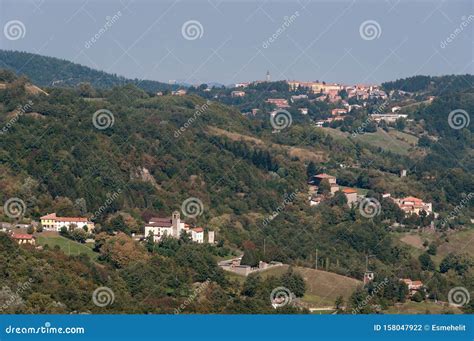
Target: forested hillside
(72, 150)
(50, 71)
(437, 85)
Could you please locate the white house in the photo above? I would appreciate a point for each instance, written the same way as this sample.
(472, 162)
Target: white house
(51, 222)
(197, 235)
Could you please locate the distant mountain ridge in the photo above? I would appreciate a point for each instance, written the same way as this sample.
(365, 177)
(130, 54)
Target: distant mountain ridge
(54, 72)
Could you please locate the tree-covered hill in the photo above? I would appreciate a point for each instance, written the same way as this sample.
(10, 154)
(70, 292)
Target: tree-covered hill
(122, 155)
(435, 85)
(50, 71)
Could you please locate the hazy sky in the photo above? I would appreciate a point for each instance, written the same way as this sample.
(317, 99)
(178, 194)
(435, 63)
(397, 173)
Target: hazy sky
(228, 41)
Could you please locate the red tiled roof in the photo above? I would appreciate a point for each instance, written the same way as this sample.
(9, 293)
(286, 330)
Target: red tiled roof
(416, 200)
(49, 216)
(22, 236)
(198, 229)
(52, 216)
(72, 219)
(324, 176)
(349, 190)
(160, 222)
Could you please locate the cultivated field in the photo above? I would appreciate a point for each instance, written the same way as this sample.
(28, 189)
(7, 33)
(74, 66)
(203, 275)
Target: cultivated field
(322, 288)
(68, 246)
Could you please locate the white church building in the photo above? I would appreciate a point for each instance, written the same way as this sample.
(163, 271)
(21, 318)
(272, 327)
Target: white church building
(172, 227)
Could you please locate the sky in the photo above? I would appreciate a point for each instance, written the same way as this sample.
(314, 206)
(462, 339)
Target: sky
(205, 41)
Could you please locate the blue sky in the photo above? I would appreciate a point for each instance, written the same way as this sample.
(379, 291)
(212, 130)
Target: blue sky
(321, 40)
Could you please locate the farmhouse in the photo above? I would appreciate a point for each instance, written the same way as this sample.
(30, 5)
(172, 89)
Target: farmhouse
(317, 179)
(351, 195)
(23, 238)
(412, 205)
(389, 118)
(278, 102)
(51, 222)
(180, 92)
(237, 93)
(197, 235)
(338, 111)
(413, 286)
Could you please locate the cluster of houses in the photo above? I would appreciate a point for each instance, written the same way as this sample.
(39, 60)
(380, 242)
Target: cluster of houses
(316, 198)
(157, 227)
(409, 205)
(174, 227)
(412, 205)
(331, 91)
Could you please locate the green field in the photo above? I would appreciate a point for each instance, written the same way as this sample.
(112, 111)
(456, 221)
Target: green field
(322, 288)
(456, 242)
(395, 141)
(411, 307)
(387, 141)
(68, 246)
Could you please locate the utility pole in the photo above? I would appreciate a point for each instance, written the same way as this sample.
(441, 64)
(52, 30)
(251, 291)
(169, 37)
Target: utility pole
(264, 247)
(316, 259)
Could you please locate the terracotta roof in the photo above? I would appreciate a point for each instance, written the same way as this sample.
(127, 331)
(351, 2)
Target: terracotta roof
(324, 176)
(72, 219)
(160, 222)
(52, 216)
(22, 236)
(417, 283)
(198, 229)
(416, 200)
(349, 190)
(49, 216)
